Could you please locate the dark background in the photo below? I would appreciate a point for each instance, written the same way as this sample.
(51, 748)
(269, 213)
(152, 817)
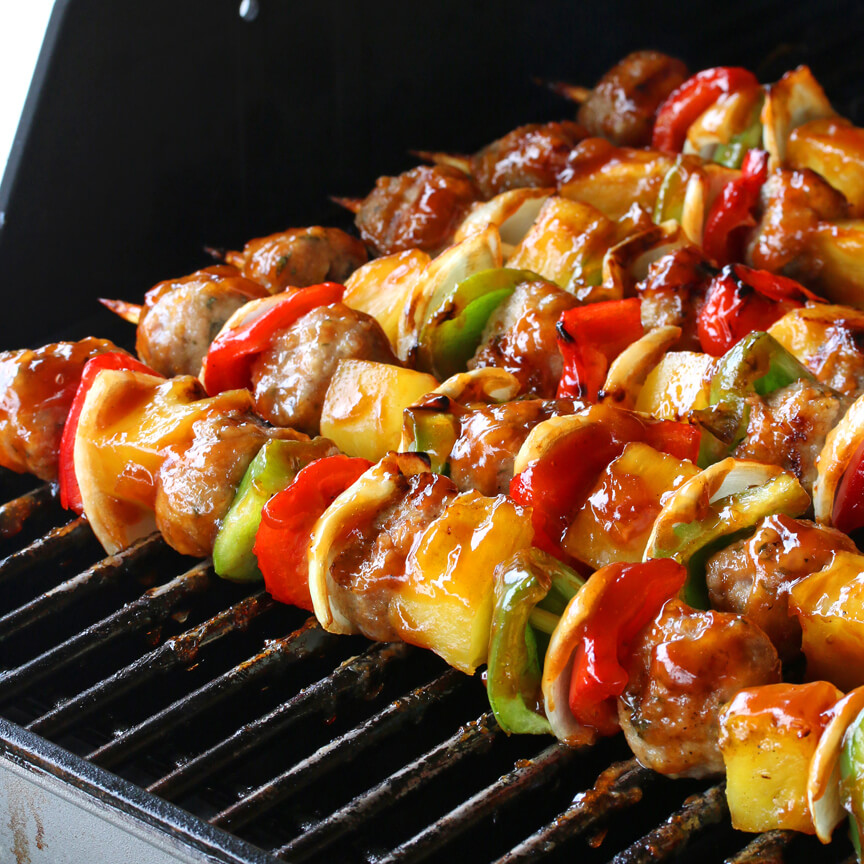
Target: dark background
(156, 127)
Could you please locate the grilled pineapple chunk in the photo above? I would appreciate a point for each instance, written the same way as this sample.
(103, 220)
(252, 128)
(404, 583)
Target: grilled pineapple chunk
(676, 386)
(830, 606)
(768, 736)
(362, 413)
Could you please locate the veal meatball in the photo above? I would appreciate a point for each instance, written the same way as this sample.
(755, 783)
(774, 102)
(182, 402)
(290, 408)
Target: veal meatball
(622, 106)
(531, 155)
(753, 576)
(419, 209)
(290, 378)
(520, 337)
(181, 317)
(300, 257)
(686, 665)
(36, 392)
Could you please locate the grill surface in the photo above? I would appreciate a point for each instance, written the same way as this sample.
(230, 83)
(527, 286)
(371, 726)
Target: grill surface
(278, 741)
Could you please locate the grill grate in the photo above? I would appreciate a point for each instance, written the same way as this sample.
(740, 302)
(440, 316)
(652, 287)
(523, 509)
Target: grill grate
(309, 746)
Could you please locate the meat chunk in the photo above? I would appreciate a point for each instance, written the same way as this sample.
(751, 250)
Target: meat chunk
(622, 105)
(532, 155)
(753, 576)
(369, 565)
(182, 317)
(490, 437)
(290, 378)
(419, 209)
(520, 337)
(686, 665)
(197, 483)
(788, 428)
(36, 392)
(300, 257)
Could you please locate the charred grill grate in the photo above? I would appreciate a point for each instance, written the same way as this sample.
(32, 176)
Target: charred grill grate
(303, 745)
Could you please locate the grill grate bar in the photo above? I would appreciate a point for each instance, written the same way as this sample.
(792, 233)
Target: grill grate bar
(698, 812)
(619, 787)
(15, 513)
(767, 848)
(153, 606)
(310, 640)
(359, 676)
(475, 737)
(58, 598)
(176, 651)
(525, 776)
(398, 714)
(58, 541)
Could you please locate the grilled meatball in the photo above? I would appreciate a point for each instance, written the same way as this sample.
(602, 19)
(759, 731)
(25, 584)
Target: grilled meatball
(673, 293)
(300, 257)
(520, 337)
(182, 317)
(197, 483)
(532, 155)
(622, 105)
(753, 576)
(36, 392)
(788, 428)
(370, 562)
(490, 437)
(686, 665)
(290, 378)
(420, 209)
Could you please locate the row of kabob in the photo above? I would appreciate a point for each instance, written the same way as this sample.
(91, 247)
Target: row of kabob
(592, 416)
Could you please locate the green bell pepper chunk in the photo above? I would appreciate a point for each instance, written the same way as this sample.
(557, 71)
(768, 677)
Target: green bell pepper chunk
(732, 154)
(670, 198)
(455, 324)
(273, 468)
(532, 590)
(757, 364)
(432, 429)
(852, 779)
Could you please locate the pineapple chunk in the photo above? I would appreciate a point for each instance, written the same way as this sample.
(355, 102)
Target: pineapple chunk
(830, 606)
(446, 602)
(768, 736)
(615, 522)
(362, 413)
(836, 251)
(676, 386)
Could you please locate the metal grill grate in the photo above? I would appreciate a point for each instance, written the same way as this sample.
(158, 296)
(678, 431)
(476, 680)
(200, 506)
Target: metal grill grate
(303, 745)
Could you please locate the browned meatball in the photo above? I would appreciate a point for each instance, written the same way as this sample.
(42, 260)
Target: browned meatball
(622, 105)
(521, 338)
(753, 576)
(673, 293)
(531, 155)
(197, 483)
(420, 209)
(789, 426)
(369, 561)
(290, 378)
(36, 392)
(490, 437)
(300, 257)
(685, 667)
(182, 317)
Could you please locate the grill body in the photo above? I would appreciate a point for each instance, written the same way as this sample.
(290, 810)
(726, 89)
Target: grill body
(150, 712)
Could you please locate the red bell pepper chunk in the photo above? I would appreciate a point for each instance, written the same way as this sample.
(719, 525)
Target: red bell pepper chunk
(70, 492)
(557, 485)
(633, 596)
(288, 519)
(848, 513)
(732, 211)
(228, 363)
(695, 96)
(740, 301)
(590, 338)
